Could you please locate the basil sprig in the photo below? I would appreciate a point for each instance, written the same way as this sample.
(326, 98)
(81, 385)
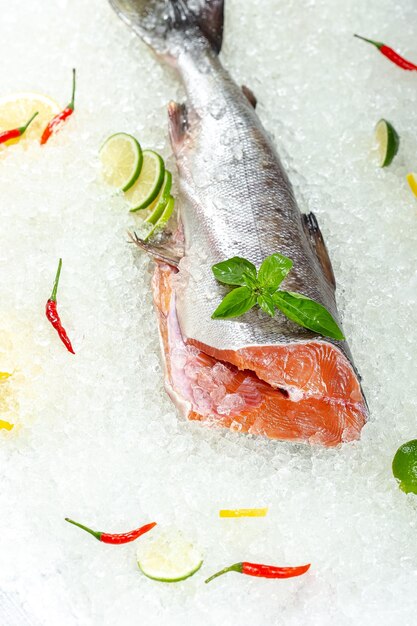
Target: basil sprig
(232, 271)
(261, 287)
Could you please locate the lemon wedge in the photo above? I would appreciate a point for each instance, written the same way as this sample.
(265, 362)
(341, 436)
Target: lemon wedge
(412, 181)
(243, 512)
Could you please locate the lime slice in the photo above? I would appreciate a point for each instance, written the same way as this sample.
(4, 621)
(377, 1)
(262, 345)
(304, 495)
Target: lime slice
(168, 557)
(16, 109)
(121, 160)
(412, 181)
(166, 214)
(157, 207)
(388, 142)
(404, 466)
(144, 191)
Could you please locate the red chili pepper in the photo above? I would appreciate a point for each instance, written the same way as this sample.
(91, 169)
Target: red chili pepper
(16, 132)
(56, 122)
(115, 539)
(52, 313)
(263, 571)
(390, 54)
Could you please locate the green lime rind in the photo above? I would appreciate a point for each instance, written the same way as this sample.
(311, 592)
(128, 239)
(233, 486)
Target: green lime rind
(168, 210)
(154, 188)
(168, 557)
(161, 199)
(166, 214)
(172, 580)
(404, 466)
(137, 171)
(389, 142)
(137, 165)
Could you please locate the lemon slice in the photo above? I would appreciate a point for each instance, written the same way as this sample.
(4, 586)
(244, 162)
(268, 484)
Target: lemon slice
(17, 108)
(144, 191)
(168, 557)
(388, 142)
(412, 181)
(157, 207)
(121, 160)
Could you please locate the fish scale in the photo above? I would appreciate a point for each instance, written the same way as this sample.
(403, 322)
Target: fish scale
(249, 212)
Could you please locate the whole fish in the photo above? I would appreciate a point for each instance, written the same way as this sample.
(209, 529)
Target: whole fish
(255, 374)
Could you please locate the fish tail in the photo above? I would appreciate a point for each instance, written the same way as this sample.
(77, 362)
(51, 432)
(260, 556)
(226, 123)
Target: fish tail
(169, 26)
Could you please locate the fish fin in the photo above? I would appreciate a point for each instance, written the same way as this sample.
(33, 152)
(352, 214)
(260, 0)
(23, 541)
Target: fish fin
(211, 22)
(178, 124)
(249, 95)
(167, 25)
(313, 231)
(168, 255)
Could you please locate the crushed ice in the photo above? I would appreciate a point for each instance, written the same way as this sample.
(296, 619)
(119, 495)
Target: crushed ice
(98, 437)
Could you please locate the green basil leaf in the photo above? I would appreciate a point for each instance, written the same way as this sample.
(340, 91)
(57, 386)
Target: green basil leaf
(231, 271)
(249, 281)
(273, 271)
(307, 313)
(237, 302)
(266, 303)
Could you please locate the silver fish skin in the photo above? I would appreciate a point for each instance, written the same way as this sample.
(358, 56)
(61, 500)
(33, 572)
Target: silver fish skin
(236, 199)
